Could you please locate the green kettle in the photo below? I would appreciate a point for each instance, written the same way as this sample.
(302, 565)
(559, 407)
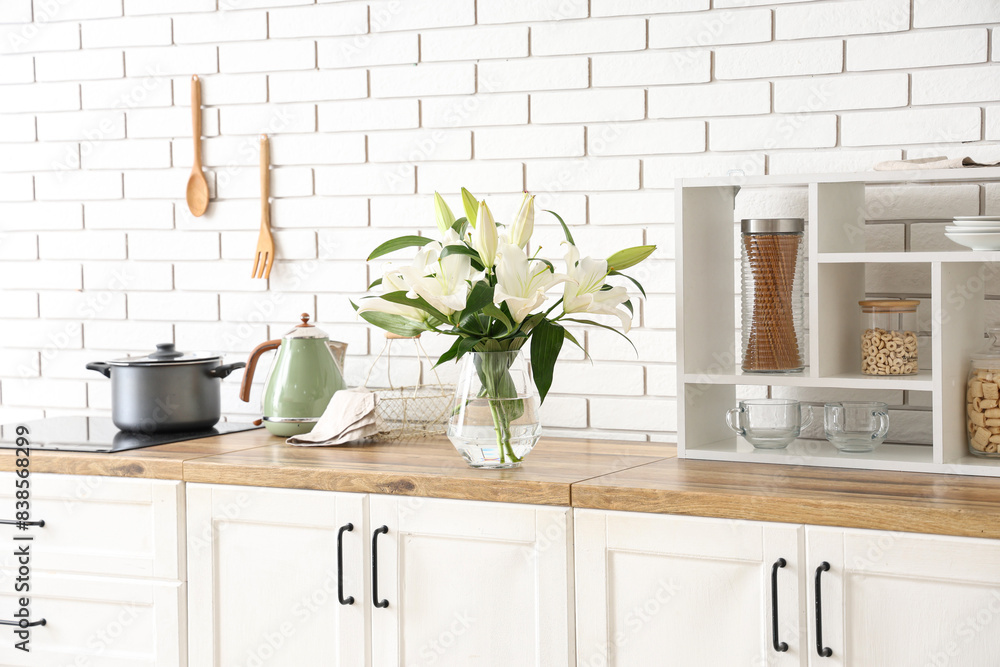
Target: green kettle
(305, 374)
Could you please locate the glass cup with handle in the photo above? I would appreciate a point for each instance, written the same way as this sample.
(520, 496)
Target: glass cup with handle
(769, 423)
(856, 426)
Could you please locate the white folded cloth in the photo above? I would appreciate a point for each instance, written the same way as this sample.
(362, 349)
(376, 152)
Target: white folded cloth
(350, 416)
(938, 162)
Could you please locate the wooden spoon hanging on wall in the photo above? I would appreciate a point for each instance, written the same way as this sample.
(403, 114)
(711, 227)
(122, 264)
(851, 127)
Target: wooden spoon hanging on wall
(197, 187)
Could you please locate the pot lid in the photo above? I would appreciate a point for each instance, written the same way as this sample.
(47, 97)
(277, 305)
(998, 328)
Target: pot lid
(306, 330)
(165, 353)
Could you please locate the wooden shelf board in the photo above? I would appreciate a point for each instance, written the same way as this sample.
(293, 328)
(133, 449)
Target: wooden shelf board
(911, 458)
(873, 177)
(908, 257)
(922, 381)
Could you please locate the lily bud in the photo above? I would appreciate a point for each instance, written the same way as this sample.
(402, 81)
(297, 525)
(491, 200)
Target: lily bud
(442, 214)
(484, 238)
(524, 223)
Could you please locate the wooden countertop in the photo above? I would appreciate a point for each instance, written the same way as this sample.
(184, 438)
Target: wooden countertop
(908, 502)
(160, 462)
(596, 474)
(429, 467)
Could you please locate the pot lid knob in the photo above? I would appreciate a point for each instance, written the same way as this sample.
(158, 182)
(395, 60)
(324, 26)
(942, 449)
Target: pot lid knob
(305, 321)
(165, 351)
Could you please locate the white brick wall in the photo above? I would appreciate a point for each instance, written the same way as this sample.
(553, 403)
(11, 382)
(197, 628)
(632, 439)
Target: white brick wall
(373, 105)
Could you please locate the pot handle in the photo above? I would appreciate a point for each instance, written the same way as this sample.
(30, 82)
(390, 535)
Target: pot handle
(252, 366)
(225, 369)
(101, 367)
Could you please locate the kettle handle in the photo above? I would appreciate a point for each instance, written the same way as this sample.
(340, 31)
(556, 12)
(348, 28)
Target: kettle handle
(252, 366)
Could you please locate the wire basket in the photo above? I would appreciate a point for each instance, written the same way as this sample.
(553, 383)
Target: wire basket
(409, 412)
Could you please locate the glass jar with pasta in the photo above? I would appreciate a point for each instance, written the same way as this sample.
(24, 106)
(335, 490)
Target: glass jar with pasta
(889, 337)
(982, 400)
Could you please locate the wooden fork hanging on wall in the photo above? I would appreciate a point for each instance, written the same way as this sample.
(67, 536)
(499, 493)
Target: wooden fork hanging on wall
(265, 243)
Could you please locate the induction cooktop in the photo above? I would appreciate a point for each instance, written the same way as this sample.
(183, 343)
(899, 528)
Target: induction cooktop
(98, 434)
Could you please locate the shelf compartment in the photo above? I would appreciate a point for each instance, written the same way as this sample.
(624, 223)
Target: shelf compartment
(961, 256)
(922, 381)
(911, 458)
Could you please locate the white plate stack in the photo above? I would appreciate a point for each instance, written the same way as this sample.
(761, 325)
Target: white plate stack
(979, 232)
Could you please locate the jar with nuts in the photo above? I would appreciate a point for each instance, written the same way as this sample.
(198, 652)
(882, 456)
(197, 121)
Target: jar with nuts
(982, 401)
(888, 337)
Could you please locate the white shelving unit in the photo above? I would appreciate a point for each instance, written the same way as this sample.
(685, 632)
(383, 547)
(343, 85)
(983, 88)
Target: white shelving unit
(708, 360)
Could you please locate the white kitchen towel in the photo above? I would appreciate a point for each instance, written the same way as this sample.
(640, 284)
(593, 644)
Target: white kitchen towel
(939, 162)
(350, 416)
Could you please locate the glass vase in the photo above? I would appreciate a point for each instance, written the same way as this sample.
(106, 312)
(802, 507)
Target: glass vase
(494, 417)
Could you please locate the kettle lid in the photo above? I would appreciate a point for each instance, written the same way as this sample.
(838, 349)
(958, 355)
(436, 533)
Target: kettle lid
(306, 330)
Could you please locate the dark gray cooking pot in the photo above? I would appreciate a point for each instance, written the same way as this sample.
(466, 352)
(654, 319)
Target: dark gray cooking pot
(166, 391)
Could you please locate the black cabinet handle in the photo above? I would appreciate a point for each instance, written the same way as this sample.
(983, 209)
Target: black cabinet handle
(340, 564)
(780, 647)
(25, 623)
(14, 522)
(824, 651)
(381, 604)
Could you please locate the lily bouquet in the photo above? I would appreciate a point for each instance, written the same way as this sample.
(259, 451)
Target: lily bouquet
(478, 283)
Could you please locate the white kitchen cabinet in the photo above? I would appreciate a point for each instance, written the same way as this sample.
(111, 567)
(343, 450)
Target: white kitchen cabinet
(463, 583)
(100, 525)
(97, 622)
(472, 583)
(668, 590)
(262, 577)
(904, 598)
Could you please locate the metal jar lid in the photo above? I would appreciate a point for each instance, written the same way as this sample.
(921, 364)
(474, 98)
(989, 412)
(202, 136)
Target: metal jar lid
(165, 354)
(889, 305)
(772, 225)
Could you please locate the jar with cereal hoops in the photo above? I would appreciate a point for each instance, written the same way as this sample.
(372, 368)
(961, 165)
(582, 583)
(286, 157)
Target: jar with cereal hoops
(982, 400)
(889, 337)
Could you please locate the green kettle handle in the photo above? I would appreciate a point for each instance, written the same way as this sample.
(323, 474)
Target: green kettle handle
(252, 366)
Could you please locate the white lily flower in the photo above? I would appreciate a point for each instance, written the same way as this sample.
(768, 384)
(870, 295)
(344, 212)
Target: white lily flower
(524, 223)
(522, 284)
(484, 236)
(443, 283)
(583, 294)
(392, 281)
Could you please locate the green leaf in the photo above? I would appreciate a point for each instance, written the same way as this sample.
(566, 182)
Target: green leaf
(571, 338)
(376, 283)
(546, 342)
(569, 237)
(628, 305)
(623, 259)
(449, 354)
(471, 207)
(479, 297)
(396, 324)
(398, 244)
(459, 226)
(419, 303)
(500, 317)
(463, 250)
(630, 278)
(603, 326)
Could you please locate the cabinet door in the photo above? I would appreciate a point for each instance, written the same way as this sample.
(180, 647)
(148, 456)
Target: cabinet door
(101, 525)
(472, 583)
(262, 577)
(96, 621)
(904, 598)
(664, 590)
